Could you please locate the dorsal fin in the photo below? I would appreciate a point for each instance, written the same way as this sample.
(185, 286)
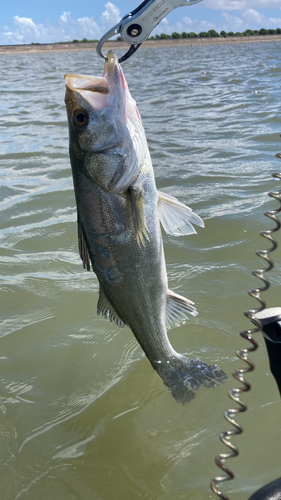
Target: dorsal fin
(177, 309)
(106, 310)
(82, 245)
(176, 218)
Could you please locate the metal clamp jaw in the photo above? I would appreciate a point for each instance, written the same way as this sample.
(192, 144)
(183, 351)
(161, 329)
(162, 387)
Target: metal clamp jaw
(136, 26)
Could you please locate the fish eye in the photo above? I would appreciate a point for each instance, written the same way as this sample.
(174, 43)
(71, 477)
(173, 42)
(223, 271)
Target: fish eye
(80, 117)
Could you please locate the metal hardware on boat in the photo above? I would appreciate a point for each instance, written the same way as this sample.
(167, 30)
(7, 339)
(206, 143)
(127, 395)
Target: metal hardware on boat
(258, 317)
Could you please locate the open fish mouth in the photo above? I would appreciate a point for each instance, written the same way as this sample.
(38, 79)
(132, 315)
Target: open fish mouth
(86, 82)
(91, 87)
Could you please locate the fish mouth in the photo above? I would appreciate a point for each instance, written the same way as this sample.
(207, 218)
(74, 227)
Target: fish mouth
(94, 83)
(92, 88)
(95, 90)
(86, 83)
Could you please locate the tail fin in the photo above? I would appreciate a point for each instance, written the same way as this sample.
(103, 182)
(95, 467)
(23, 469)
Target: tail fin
(183, 376)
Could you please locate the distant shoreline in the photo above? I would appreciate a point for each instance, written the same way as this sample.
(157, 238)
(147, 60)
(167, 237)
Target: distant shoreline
(178, 42)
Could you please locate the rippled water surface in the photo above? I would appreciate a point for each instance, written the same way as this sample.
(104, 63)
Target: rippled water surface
(82, 413)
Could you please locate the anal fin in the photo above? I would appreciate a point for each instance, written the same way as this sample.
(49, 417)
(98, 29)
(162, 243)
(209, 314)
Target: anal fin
(176, 218)
(177, 309)
(107, 311)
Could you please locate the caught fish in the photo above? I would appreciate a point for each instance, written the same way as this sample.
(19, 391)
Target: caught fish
(118, 210)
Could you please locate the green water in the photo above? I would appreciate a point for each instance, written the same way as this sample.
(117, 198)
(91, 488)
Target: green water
(82, 414)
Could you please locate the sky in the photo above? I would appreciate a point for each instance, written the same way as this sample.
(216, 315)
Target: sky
(60, 20)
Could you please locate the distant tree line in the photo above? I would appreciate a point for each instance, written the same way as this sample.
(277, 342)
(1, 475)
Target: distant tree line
(84, 40)
(214, 33)
(202, 34)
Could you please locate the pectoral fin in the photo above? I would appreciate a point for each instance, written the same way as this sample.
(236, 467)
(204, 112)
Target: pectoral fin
(177, 309)
(107, 311)
(138, 214)
(176, 218)
(82, 245)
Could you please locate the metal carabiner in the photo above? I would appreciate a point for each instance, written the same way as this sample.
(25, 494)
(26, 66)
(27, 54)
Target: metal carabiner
(136, 26)
(114, 31)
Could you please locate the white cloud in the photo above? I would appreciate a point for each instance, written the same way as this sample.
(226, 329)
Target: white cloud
(253, 17)
(185, 24)
(246, 19)
(26, 31)
(187, 21)
(66, 18)
(232, 23)
(275, 22)
(111, 15)
(226, 4)
(250, 19)
(241, 4)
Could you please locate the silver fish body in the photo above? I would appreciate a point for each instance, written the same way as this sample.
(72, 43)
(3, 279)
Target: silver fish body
(119, 231)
